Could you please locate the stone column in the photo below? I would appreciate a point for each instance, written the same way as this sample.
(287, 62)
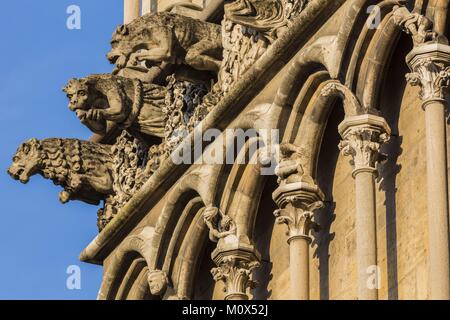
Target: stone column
(146, 6)
(362, 138)
(297, 202)
(235, 262)
(132, 10)
(429, 64)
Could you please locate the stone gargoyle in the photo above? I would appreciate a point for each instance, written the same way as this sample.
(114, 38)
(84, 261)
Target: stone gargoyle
(82, 168)
(158, 38)
(105, 100)
(269, 17)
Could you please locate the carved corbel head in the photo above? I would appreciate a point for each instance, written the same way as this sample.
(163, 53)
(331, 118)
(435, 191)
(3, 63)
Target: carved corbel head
(157, 282)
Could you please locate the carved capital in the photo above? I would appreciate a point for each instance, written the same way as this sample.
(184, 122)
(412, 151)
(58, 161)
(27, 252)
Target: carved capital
(297, 203)
(430, 66)
(362, 138)
(235, 264)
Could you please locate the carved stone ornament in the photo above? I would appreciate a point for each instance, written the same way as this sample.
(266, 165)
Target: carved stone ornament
(157, 282)
(235, 263)
(418, 26)
(362, 139)
(220, 225)
(164, 37)
(298, 217)
(236, 275)
(152, 114)
(269, 17)
(82, 168)
(430, 70)
(298, 202)
(102, 100)
(290, 167)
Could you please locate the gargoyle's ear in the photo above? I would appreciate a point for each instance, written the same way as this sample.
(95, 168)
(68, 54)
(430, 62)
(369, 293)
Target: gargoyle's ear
(69, 84)
(33, 142)
(122, 30)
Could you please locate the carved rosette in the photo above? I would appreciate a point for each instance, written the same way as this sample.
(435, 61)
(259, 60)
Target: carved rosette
(234, 267)
(430, 66)
(298, 203)
(362, 139)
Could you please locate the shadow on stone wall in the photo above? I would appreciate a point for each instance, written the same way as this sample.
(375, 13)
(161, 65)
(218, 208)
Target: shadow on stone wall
(263, 231)
(328, 157)
(391, 102)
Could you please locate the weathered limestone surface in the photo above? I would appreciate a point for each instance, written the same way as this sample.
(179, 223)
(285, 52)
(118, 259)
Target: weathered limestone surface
(319, 226)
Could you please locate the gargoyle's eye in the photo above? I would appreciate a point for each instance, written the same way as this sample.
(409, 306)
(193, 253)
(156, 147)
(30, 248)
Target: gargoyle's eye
(15, 159)
(82, 93)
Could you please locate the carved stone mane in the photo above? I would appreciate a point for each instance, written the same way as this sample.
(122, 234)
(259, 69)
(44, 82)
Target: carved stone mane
(82, 168)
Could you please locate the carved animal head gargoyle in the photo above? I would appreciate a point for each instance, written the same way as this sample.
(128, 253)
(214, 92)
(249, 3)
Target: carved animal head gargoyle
(27, 161)
(82, 168)
(156, 41)
(77, 90)
(270, 17)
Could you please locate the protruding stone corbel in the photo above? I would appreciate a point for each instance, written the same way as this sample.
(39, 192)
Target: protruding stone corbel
(362, 137)
(157, 282)
(235, 262)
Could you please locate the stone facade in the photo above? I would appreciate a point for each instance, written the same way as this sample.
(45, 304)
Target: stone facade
(351, 202)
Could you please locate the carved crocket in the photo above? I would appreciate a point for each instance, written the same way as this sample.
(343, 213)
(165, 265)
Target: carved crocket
(164, 37)
(82, 168)
(105, 100)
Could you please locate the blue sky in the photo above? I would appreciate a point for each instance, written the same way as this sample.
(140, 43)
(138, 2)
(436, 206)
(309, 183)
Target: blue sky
(39, 237)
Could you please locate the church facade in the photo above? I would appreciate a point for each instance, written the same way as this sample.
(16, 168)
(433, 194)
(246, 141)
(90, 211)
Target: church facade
(264, 149)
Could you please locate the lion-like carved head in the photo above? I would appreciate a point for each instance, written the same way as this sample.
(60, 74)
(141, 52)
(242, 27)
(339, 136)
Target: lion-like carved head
(120, 47)
(77, 90)
(27, 161)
